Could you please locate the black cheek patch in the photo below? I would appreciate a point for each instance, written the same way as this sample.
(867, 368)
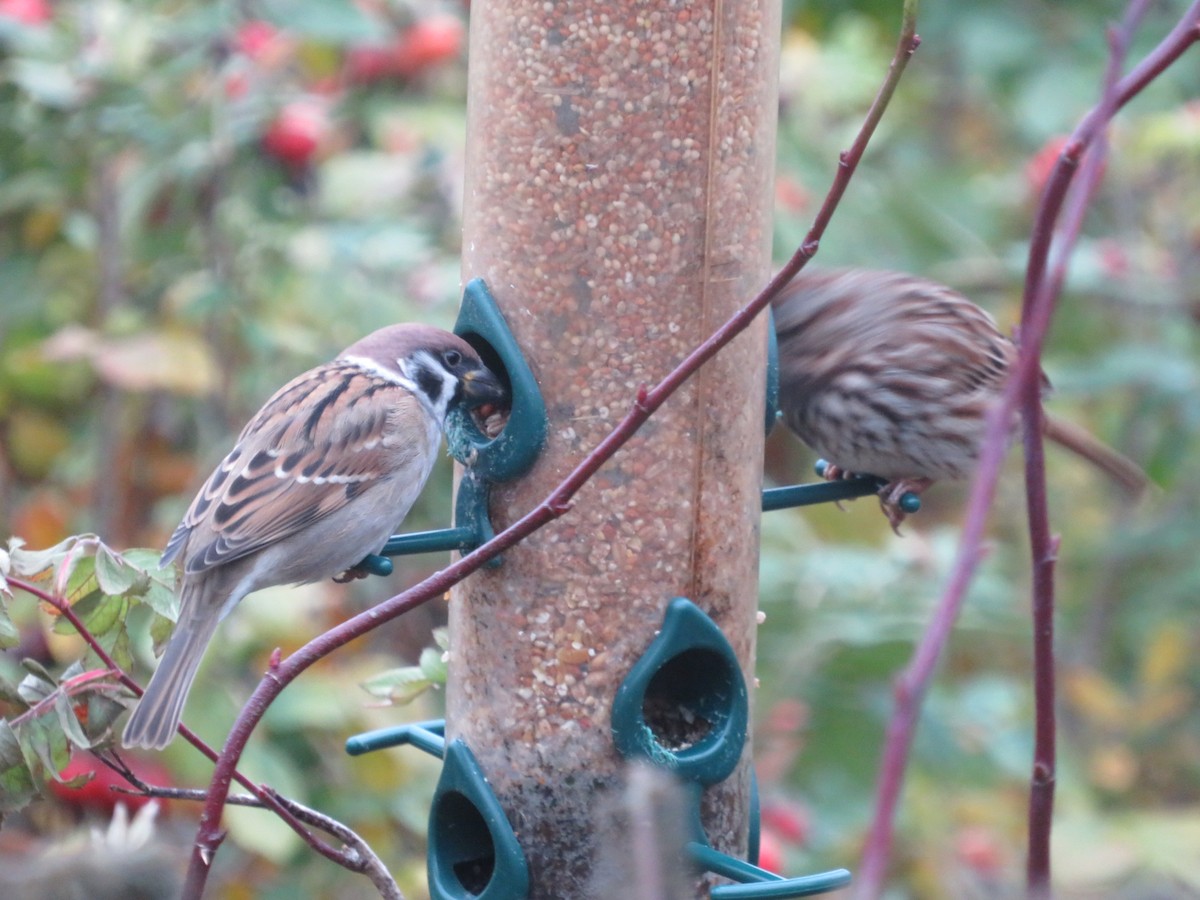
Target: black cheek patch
(429, 383)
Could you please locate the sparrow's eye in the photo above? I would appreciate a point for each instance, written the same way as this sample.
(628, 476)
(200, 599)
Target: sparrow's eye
(452, 358)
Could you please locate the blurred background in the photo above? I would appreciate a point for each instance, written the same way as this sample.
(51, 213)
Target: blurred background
(200, 199)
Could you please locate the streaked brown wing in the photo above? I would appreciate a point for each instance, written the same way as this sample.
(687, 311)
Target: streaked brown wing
(323, 439)
(961, 343)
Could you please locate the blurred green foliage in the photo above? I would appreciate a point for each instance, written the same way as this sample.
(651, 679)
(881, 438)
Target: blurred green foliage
(198, 200)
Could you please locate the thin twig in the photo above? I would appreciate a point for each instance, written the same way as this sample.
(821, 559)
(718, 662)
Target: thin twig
(555, 505)
(360, 853)
(1043, 544)
(913, 682)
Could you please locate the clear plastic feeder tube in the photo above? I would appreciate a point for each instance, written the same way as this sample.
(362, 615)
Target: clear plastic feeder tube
(620, 167)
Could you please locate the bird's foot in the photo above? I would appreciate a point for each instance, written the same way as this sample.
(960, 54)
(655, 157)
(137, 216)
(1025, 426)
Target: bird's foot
(896, 495)
(354, 573)
(830, 472)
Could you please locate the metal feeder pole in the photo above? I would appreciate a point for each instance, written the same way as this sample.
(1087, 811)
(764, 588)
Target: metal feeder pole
(620, 168)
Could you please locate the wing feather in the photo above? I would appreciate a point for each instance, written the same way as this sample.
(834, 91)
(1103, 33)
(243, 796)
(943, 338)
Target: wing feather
(324, 438)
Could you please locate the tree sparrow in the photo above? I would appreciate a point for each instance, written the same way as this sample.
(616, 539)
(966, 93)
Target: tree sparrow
(319, 478)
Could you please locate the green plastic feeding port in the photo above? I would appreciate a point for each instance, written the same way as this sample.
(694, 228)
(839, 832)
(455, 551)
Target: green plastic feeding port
(473, 852)
(429, 736)
(683, 705)
(759, 884)
(488, 460)
(512, 452)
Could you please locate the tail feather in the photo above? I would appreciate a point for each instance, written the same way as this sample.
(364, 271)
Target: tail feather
(1120, 468)
(156, 718)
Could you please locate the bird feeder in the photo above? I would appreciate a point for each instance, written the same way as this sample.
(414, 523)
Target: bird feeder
(619, 199)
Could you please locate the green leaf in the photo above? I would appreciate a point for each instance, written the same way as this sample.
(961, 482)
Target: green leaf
(330, 21)
(84, 608)
(36, 686)
(116, 644)
(74, 670)
(48, 83)
(17, 785)
(441, 637)
(76, 578)
(25, 190)
(398, 686)
(44, 747)
(75, 782)
(105, 614)
(102, 712)
(159, 590)
(114, 574)
(72, 729)
(433, 665)
(9, 636)
(5, 568)
(8, 692)
(31, 563)
(160, 632)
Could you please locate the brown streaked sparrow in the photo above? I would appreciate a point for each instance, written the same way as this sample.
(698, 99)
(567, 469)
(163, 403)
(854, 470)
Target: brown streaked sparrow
(887, 374)
(318, 479)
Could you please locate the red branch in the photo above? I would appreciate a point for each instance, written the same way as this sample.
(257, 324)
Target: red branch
(1043, 545)
(1024, 389)
(556, 504)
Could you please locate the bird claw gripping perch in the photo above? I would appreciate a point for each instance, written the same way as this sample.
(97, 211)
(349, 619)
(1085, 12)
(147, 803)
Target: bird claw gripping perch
(838, 486)
(489, 458)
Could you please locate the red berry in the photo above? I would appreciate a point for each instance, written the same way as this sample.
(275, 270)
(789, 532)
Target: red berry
(369, 63)
(27, 12)
(787, 820)
(423, 45)
(263, 42)
(427, 43)
(979, 849)
(297, 132)
(790, 195)
(770, 852)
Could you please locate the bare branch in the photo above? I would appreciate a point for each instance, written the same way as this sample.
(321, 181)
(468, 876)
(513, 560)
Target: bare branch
(1043, 545)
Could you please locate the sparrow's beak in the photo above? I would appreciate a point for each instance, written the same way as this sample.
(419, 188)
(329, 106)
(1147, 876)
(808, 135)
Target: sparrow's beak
(480, 388)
